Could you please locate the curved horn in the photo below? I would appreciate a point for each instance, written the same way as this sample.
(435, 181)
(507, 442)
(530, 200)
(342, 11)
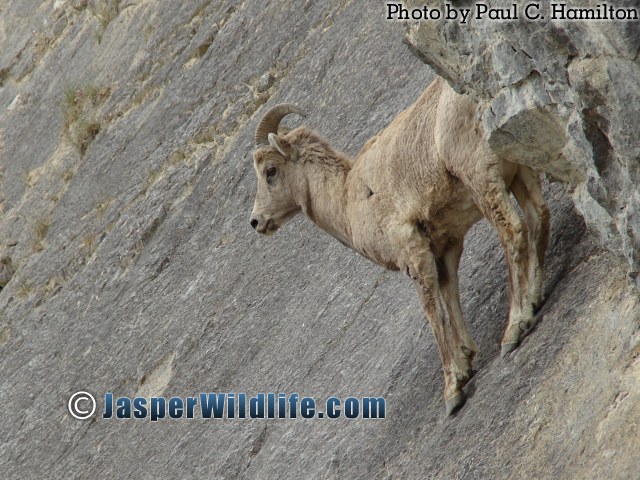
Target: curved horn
(271, 120)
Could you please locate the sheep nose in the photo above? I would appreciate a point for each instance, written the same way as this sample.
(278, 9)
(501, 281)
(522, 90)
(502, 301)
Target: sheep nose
(254, 223)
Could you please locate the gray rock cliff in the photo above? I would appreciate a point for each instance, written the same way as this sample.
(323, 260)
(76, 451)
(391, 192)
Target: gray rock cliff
(555, 93)
(128, 264)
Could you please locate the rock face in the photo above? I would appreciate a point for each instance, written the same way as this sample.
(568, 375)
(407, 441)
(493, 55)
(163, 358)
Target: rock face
(128, 264)
(555, 93)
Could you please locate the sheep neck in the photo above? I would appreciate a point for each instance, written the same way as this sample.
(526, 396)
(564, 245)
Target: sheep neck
(324, 198)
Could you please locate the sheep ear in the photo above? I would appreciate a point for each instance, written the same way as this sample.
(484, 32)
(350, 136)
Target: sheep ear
(275, 142)
(285, 148)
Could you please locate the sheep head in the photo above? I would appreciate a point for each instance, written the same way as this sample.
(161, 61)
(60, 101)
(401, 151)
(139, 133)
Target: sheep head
(273, 159)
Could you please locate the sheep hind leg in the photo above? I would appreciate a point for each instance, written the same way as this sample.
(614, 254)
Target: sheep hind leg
(527, 190)
(456, 372)
(512, 232)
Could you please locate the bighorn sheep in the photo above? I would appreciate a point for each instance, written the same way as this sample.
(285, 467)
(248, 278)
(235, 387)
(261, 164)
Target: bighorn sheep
(406, 202)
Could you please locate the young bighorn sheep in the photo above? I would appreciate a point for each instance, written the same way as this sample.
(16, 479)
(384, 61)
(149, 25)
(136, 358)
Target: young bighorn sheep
(406, 202)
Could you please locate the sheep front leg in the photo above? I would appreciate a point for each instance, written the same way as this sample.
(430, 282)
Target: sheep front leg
(456, 370)
(449, 284)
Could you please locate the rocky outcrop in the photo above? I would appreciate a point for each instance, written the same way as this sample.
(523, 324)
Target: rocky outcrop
(128, 265)
(556, 93)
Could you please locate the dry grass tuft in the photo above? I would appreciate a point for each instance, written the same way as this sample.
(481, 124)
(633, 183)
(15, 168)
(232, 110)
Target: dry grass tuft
(105, 11)
(54, 284)
(90, 242)
(24, 290)
(40, 230)
(79, 111)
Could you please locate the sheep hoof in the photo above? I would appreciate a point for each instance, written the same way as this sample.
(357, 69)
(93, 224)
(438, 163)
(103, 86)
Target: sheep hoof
(537, 307)
(507, 348)
(454, 404)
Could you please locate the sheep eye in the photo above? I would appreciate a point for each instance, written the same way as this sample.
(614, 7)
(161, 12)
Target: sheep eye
(271, 171)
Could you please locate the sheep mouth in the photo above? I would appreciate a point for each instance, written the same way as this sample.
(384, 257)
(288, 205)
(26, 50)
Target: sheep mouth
(269, 228)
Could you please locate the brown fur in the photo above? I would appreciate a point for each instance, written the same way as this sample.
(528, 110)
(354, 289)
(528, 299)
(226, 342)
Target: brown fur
(406, 202)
